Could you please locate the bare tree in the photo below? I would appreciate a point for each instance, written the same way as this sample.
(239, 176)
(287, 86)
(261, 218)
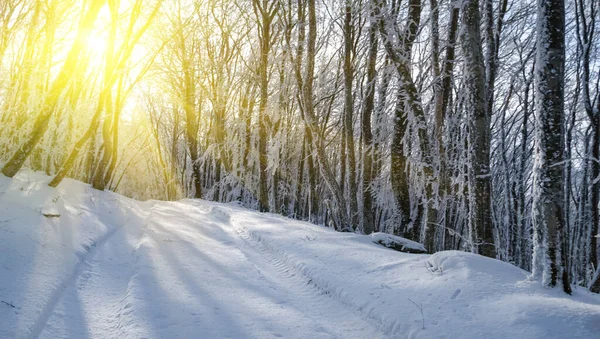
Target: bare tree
(57, 88)
(480, 219)
(548, 174)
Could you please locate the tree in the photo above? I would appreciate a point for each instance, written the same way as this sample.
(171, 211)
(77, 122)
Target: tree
(408, 117)
(442, 88)
(265, 12)
(549, 258)
(57, 88)
(305, 85)
(348, 152)
(585, 33)
(479, 132)
(368, 169)
(116, 59)
(409, 102)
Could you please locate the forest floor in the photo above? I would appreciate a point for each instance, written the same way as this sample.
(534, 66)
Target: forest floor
(80, 263)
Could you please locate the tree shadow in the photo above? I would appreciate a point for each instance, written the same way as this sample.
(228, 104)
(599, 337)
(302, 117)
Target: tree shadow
(207, 296)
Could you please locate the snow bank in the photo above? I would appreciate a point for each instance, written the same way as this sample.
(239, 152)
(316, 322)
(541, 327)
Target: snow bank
(462, 295)
(45, 233)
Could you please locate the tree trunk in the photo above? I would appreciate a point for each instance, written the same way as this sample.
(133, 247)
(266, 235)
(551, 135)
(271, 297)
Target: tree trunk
(265, 11)
(348, 111)
(479, 135)
(548, 207)
(305, 84)
(191, 125)
(70, 161)
(409, 100)
(368, 167)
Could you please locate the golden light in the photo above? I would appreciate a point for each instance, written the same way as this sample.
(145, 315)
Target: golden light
(96, 44)
(97, 40)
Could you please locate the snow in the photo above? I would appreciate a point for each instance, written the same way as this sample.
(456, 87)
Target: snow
(112, 267)
(397, 243)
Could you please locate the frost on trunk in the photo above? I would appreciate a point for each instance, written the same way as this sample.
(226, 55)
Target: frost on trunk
(480, 218)
(266, 11)
(409, 113)
(349, 34)
(369, 173)
(595, 285)
(586, 34)
(306, 97)
(548, 209)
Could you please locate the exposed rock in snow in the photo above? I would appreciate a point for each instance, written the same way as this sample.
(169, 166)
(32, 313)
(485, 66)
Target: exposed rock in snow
(50, 212)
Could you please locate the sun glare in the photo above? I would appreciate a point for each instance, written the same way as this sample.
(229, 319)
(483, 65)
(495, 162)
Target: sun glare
(96, 49)
(97, 39)
(96, 44)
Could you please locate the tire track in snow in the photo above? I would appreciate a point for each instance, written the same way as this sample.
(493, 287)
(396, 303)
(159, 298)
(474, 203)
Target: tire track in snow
(390, 326)
(113, 307)
(305, 287)
(55, 297)
(83, 266)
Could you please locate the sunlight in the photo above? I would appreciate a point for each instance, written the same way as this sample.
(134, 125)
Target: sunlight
(97, 40)
(96, 45)
(100, 44)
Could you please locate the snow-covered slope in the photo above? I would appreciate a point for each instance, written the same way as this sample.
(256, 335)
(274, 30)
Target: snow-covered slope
(111, 267)
(40, 256)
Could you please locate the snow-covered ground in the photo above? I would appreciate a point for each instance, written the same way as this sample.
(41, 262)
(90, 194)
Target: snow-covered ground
(79, 263)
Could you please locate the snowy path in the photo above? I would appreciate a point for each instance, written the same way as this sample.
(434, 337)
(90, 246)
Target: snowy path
(192, 272)
(113, 267)
(95, 303)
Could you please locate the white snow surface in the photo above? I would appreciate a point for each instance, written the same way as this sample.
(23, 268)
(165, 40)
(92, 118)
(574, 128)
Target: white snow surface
(389, 240)
(112, 267)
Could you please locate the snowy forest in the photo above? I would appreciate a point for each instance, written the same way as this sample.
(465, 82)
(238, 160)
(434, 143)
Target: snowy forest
(469, 125)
